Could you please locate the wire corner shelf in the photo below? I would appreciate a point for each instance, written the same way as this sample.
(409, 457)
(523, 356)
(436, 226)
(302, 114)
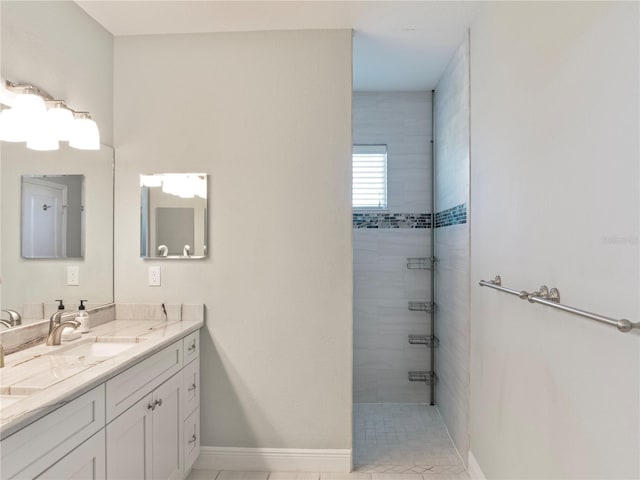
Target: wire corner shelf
(428, 340)
(420, 263)
(422, 306)
(427, 376)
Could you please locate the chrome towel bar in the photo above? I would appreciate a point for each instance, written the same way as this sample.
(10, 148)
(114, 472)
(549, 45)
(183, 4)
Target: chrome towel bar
(551, 298)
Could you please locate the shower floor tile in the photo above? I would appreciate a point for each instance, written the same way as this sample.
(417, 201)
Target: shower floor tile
(403, 439)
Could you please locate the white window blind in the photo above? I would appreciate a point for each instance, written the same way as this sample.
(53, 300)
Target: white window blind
(369, 177)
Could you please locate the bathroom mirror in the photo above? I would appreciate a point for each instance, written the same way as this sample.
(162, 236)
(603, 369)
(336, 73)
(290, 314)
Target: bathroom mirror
(52, 216)
(173, 216)
(32, 283)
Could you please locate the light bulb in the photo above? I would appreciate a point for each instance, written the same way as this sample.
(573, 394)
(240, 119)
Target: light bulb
(150, 181)
(60, 120)
(85, 135)
(29, 105)
(41, 135)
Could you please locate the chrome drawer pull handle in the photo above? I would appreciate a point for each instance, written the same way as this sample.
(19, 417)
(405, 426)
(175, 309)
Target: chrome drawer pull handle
(151, 406)
(192, 347)
(193, 438)
(191, 388)
(158, 402)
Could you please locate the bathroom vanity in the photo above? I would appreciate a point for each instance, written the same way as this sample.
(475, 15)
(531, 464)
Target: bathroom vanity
(122, 402)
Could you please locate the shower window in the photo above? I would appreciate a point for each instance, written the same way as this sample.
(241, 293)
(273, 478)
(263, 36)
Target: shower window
(369, 177)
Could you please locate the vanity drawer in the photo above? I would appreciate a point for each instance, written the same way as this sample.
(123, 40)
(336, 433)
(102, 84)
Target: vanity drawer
(33, 449)
(191, 346)
(131, 385)
(191, 387)
(191, 440)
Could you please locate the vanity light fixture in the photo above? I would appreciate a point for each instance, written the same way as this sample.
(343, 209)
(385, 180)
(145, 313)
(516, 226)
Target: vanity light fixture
(40, 135)
(61, 121)
(150, 180)
(184, 185)
(28, 120)
(85, 134)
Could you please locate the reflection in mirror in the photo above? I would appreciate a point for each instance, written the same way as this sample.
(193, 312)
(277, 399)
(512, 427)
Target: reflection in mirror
(173, 215)
(31, 285)
(52, 216)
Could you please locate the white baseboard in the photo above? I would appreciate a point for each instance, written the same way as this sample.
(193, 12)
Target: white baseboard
(274, 459)
(475, 472)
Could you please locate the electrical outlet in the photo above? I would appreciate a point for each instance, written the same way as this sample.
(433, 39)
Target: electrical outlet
(154, 276)
(73, 276)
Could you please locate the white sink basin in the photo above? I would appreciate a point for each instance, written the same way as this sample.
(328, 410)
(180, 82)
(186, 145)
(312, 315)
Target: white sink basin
(58, 363)
(98, 347)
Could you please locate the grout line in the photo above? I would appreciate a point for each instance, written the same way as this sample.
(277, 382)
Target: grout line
(464, 464)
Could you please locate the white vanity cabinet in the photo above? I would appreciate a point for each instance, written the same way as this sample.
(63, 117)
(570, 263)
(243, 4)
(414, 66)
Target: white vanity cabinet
(191, 410)
(44, 448)
(142, 423)
(146, 414)
(86, 462)
(145, 442)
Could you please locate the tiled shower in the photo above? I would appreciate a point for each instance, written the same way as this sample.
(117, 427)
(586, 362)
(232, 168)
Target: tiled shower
(382, 242)
(398, 425)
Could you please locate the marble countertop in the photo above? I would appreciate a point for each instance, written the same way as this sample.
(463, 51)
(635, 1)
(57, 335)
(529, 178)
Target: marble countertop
(40, 379)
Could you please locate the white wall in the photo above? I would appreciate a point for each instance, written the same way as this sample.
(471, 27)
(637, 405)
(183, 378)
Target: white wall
(268, 116)
(452, 247)
(40, 45)
(382, 283)
(555, 200)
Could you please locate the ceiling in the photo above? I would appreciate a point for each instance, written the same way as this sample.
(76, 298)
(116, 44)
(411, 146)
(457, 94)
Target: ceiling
(397, 45)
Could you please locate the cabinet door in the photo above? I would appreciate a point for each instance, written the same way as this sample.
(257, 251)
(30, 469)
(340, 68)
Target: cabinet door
(129, 443)
(191, 440)
(191, 375)
(31, 450)
(127, 388)
(191, 347)
(85, 462)
(167, 429)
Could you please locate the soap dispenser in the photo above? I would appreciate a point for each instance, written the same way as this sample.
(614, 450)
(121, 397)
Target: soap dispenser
(83, 317)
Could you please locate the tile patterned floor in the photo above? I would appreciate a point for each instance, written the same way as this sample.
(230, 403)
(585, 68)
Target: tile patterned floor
(403, 438)
(391, 442)
(215, 475)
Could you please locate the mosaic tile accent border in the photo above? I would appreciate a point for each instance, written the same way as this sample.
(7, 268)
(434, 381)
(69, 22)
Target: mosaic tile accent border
(391, 220)
(452, 216)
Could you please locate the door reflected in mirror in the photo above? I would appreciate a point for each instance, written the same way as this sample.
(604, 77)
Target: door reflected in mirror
(52, 216)
(30, 285)
(173, 215)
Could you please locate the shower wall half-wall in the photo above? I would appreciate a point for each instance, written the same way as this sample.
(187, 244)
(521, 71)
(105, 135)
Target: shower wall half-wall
(382, 241)
(451, 113)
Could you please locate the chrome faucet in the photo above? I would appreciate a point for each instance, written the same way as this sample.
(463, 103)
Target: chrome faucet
(54, 320)
(14, 317)
(55, 335)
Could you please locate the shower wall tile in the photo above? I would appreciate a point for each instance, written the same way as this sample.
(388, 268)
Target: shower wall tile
(402, 121)
(452, 247)
(382, 283)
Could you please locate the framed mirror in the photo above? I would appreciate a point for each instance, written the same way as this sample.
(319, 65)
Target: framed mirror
(52, 216)
(32, 281)
(173, 216)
